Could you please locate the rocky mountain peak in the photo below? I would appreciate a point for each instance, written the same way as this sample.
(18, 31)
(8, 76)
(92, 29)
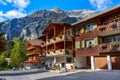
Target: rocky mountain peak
(57, 10)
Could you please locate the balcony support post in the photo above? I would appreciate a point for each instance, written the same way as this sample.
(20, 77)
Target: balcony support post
(65, 46)
(92, 63)
(55, 60)
(54, 36)
(109, 62)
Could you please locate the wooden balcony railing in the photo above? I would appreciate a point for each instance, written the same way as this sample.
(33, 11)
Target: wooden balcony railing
(102, 30)
(58, 39)
(92, 51)
(60, 52)
(109, 29)
(32, 53)
(30, 47)
(109, 48)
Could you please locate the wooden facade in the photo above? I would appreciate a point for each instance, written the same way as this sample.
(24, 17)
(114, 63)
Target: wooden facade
(98, 35)
(34, 49)
(59, 44)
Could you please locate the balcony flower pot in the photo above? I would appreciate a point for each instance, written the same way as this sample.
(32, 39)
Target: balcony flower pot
(101, 27)
(54, 39)
(54, 51)
(90, 45)
(60, 50)
(104, 46)
(60, 37)
(47, 52)
(114, 25)
(49, 41)
(89, 31)
(115, 43)
(42, 44)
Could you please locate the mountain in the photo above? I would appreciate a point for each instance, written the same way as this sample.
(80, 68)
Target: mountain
(32, 25)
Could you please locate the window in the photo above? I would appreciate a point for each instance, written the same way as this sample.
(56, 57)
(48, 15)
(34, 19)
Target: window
(108, 40)
(112, 39)
(90, 27)
(77, 44)
(77, 32)
(118, 38)
(89, 43)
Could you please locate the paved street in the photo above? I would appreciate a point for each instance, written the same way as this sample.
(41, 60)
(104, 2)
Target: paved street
(77, 75)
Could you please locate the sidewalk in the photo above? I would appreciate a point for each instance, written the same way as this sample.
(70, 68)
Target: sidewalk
(21, 72)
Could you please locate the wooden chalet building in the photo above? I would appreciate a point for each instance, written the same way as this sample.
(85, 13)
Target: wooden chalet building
(97, 40)
(35, 48)
(59, 45)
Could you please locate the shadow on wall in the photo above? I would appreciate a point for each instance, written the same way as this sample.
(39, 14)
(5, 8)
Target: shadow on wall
(115, 63)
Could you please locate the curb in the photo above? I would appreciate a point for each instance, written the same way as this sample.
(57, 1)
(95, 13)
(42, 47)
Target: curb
(20, 72)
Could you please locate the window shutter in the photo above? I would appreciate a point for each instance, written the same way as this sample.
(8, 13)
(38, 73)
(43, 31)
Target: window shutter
(83, 44)
(96, 41)
(77, 44)
(82, 30)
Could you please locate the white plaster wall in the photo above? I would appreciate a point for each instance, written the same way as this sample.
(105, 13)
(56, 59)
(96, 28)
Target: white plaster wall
(60, 59)
(80, 62)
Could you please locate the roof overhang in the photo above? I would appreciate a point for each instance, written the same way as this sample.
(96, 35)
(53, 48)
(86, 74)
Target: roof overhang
(97, 15)
(52, 25)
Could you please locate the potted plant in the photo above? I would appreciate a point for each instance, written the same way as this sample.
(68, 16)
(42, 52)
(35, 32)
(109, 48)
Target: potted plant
(54, 51)
(54, 38)
(60, 36)
(104, 46)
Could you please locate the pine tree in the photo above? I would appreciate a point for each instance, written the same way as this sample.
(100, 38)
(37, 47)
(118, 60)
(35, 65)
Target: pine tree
(3, 62)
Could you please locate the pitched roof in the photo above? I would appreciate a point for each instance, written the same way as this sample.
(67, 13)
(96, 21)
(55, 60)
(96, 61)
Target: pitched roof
(52, 25)
(37, 42)
(99, 14)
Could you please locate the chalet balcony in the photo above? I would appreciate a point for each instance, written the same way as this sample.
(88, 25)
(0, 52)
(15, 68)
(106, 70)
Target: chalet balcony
(109, 48)
(89, 34)
(58, 39)
(102, 30)
(91, 51)
(42, 55)
(32, 53)
(109, 29)
(30, 47)
(60, 52)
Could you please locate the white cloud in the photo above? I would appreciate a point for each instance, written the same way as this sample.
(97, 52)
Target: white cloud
(14, 14)
(11, 14)
(20, 6)
(101, 5)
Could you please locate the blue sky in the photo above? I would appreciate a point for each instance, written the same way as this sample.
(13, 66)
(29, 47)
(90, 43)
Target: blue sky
(19, 8)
